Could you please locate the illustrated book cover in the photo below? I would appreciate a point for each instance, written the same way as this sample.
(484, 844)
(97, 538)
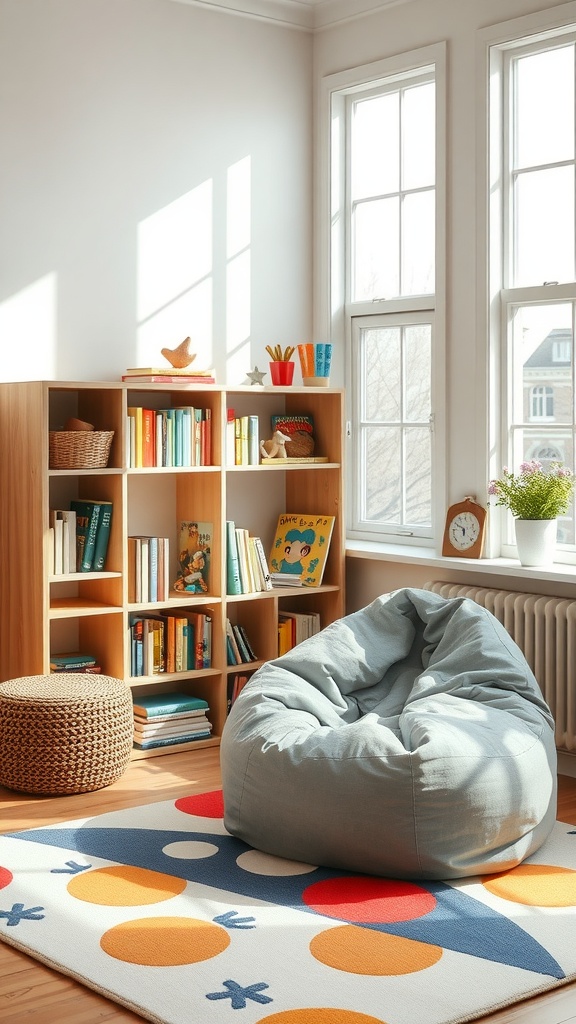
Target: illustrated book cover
(300, 548)
(194, 549)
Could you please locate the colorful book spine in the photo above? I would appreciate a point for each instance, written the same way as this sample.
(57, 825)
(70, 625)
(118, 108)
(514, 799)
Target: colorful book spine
(253, 441)
(233, 582)
(102, 536)
(171, 741)
(87, 518)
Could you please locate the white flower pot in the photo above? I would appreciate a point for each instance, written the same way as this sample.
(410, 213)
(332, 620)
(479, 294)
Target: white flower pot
(536, 540)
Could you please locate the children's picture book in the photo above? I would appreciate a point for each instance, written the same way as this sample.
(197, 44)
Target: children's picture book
(300, 548)
(300, 431)
(194, 549)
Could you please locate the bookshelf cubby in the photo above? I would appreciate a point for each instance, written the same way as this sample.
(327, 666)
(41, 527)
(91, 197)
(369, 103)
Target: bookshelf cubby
(43, 614)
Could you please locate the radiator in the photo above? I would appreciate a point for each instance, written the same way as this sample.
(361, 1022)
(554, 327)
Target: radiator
(545, 630)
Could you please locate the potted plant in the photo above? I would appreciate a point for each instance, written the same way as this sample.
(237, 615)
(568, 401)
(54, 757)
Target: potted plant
(536, 498)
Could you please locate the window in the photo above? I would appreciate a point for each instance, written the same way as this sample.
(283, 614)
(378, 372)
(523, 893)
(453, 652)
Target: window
(541, 403)
(536, 148)
(387, 188)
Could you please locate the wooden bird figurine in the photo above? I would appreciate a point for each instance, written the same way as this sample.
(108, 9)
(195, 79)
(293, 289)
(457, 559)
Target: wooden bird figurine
(179, 357)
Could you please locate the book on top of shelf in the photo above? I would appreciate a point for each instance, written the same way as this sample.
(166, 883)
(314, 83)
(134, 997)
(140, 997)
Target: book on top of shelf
(169, 371)
(194, 551)
(167, 703)
(300, 549)
(75, 660)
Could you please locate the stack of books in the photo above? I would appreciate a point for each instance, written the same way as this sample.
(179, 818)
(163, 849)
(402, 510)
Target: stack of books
(167, 375)
(168, 719)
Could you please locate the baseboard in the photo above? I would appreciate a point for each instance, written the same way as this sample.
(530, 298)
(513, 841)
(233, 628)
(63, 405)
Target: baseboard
(566, 764)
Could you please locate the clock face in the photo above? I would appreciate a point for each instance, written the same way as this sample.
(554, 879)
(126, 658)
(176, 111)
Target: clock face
(464, 530)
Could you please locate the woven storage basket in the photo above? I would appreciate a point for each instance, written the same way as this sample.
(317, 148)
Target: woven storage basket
(79, 449)
(64, 733)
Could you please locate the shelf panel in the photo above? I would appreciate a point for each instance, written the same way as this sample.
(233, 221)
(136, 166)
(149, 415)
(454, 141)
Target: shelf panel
(171, 677)
(245, 666)
(184, 599)
(72, 607)
(82, 577)
(284, 467)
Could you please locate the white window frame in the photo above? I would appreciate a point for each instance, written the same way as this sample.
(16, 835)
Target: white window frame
(497, 300)
(334, 313)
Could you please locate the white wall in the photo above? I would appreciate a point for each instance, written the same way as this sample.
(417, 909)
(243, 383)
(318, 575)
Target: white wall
(120, 124)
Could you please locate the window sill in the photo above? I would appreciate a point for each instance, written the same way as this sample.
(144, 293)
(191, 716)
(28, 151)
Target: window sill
(557, 572)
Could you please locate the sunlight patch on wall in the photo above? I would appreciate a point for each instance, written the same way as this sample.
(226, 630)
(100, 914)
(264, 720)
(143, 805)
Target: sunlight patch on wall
(28, 332)
(238, 270)
(175, 266)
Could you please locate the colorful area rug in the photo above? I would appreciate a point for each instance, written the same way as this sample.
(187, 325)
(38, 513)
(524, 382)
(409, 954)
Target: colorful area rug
(160, 909)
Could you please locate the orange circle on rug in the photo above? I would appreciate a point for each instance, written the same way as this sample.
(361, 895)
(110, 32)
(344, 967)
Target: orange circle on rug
(124, 886)
(365, 951)
(320, 1015)
(364, 900)
(165, 941)
(535, 885)
(204, 805)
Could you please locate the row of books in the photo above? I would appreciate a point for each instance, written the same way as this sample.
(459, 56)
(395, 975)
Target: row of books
(294, 627)
(247, 569)
(239, 650)
(178, 436)
(242, 440)
(148, 569)
(75, 662)
(168, 719)
(78, 537)
(179, 641)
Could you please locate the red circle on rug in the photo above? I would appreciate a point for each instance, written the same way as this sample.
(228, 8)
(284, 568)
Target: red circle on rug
(204, 805)
(364, 899)
(6, 877)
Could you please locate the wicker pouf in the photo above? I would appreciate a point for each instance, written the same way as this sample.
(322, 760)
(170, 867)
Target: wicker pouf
(64, 733)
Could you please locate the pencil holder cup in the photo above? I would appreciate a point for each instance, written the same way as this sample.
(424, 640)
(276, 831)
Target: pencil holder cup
(315, 361)
(281, 373)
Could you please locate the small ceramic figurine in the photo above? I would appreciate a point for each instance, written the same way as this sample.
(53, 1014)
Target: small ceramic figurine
(275, 448)
(179, 357)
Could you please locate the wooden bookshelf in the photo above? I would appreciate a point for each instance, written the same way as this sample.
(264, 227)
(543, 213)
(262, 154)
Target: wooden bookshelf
(44, 614)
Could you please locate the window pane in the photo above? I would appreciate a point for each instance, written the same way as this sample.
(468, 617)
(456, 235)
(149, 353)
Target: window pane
(542, 383)
(382, 394)
(418, 477)
(417, 372)
(545, 226)
(382, 475)
(375, 146)
(418, 136)
(545, 107)
(418, 244)
(375, 255)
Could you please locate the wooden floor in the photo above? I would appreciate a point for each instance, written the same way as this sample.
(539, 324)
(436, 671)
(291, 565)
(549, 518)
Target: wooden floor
(31, 993)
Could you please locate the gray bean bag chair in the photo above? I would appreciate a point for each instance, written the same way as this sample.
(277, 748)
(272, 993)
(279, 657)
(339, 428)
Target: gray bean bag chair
(409, 739)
